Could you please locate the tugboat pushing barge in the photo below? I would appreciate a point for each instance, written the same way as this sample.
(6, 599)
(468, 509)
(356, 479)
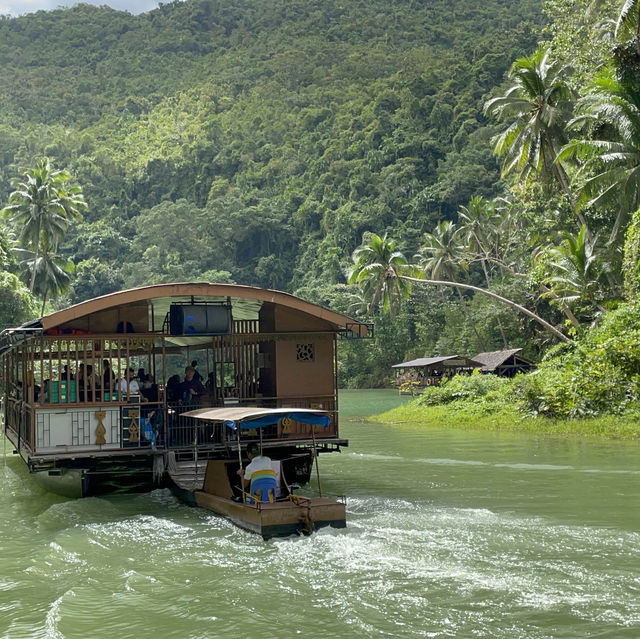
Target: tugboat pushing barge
(82, 432)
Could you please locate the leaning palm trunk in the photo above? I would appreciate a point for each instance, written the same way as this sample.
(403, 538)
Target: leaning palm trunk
(495, 296)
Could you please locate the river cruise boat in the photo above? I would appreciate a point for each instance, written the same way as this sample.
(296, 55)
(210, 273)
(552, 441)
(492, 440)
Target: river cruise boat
(267, 505)
(96, 398)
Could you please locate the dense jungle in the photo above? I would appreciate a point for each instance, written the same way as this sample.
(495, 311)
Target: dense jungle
(341, 151)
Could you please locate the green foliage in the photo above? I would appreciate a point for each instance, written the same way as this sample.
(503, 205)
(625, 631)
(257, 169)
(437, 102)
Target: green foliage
(598, 375)
(631, 261)
(17, 305)
(477, 389)
(94, 278)
(507, 419)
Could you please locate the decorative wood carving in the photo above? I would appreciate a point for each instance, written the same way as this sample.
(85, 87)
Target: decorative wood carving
(134, 426)
(286, 425)
(101, 431)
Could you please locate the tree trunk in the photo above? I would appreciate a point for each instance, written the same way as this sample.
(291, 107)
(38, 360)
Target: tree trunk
(499, 298)
(44, 301)
(33, 271)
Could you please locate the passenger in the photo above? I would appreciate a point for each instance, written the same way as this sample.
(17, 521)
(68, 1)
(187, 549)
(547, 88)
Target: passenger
(196, 374)
(128, 384)
(149, 389)
(191, 389)
(85, 376)
(141, 376)
(67, 374)
(107, 375)
(91, 382)
(173, 389)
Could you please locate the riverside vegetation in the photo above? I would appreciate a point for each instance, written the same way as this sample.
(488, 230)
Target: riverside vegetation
(311, 146)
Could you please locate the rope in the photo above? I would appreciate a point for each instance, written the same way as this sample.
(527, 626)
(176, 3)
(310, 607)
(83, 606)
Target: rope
(304, 504)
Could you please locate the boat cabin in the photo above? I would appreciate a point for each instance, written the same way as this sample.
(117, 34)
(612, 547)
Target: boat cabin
(94, 395)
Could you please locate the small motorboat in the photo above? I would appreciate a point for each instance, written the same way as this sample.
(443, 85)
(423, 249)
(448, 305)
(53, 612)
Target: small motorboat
(276, 513)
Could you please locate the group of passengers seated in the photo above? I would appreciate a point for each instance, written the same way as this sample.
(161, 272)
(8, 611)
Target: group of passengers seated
(189, 391)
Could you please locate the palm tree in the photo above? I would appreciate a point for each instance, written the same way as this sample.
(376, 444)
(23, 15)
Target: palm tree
(575, 271)
(477, 227)
(376, 270)
(495, 296)
(50, 273)
(481, 230)
(612, 158)
(380, 271)
(628, 24)
(42, 205)
(442, 256)
(541, 103)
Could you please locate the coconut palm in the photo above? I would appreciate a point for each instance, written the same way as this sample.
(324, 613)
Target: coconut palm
(576, 271)
(380, 270)
(611, 158)
(42, 205)
(477, 228)
(628, 23)
(376, 270)
(442, 256)
(51, 273)
(541, 102)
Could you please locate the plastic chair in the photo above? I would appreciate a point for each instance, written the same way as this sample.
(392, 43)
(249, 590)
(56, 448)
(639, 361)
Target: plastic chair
(263, 487)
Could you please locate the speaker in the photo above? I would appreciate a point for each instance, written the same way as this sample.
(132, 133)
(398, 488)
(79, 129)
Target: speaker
(199, 319)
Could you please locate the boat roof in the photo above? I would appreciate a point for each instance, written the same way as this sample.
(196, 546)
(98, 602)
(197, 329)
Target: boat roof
(253, 414)
(162, 295)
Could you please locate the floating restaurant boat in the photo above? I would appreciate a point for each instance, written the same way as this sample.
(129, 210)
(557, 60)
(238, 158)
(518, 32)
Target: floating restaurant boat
(280, 513)
(83, 428)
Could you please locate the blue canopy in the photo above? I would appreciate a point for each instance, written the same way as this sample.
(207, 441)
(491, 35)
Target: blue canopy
(316, 419)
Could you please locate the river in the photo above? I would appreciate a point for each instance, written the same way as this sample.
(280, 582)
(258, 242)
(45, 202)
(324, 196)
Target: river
(450, 534)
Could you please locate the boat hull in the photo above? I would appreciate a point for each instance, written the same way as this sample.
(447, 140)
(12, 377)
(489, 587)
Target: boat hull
(298, 515)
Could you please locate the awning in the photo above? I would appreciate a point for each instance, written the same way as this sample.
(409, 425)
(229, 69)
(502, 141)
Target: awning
(249, 417)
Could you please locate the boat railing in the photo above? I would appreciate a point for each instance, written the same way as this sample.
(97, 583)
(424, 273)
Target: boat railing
(187, 432)
(144, 425)
(19, 423)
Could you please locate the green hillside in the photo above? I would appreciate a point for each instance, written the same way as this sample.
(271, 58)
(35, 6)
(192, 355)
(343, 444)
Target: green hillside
(280, 130)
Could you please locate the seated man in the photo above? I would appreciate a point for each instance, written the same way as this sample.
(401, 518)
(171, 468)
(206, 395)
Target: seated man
(258, 476)
(191, 389)
(129, 386)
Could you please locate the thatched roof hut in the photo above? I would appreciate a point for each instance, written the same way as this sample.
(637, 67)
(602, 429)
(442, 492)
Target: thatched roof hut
(505, 363)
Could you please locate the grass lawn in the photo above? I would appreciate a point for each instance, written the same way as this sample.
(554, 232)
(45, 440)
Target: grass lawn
(465, 417)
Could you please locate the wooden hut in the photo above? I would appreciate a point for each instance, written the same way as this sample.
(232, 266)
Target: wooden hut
(505, 363)
(430, 371)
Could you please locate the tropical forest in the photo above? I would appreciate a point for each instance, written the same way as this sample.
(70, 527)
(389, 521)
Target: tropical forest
(464, 175)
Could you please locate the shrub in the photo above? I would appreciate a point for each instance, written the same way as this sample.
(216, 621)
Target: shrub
(467, 388)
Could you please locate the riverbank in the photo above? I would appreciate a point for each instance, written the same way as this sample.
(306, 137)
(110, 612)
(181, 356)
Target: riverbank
(464, 417)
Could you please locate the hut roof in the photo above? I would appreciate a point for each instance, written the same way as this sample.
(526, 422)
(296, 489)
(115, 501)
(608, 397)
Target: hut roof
(429, 361)
(492, 359)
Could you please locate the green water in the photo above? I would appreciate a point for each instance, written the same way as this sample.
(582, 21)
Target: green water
(450, 534)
